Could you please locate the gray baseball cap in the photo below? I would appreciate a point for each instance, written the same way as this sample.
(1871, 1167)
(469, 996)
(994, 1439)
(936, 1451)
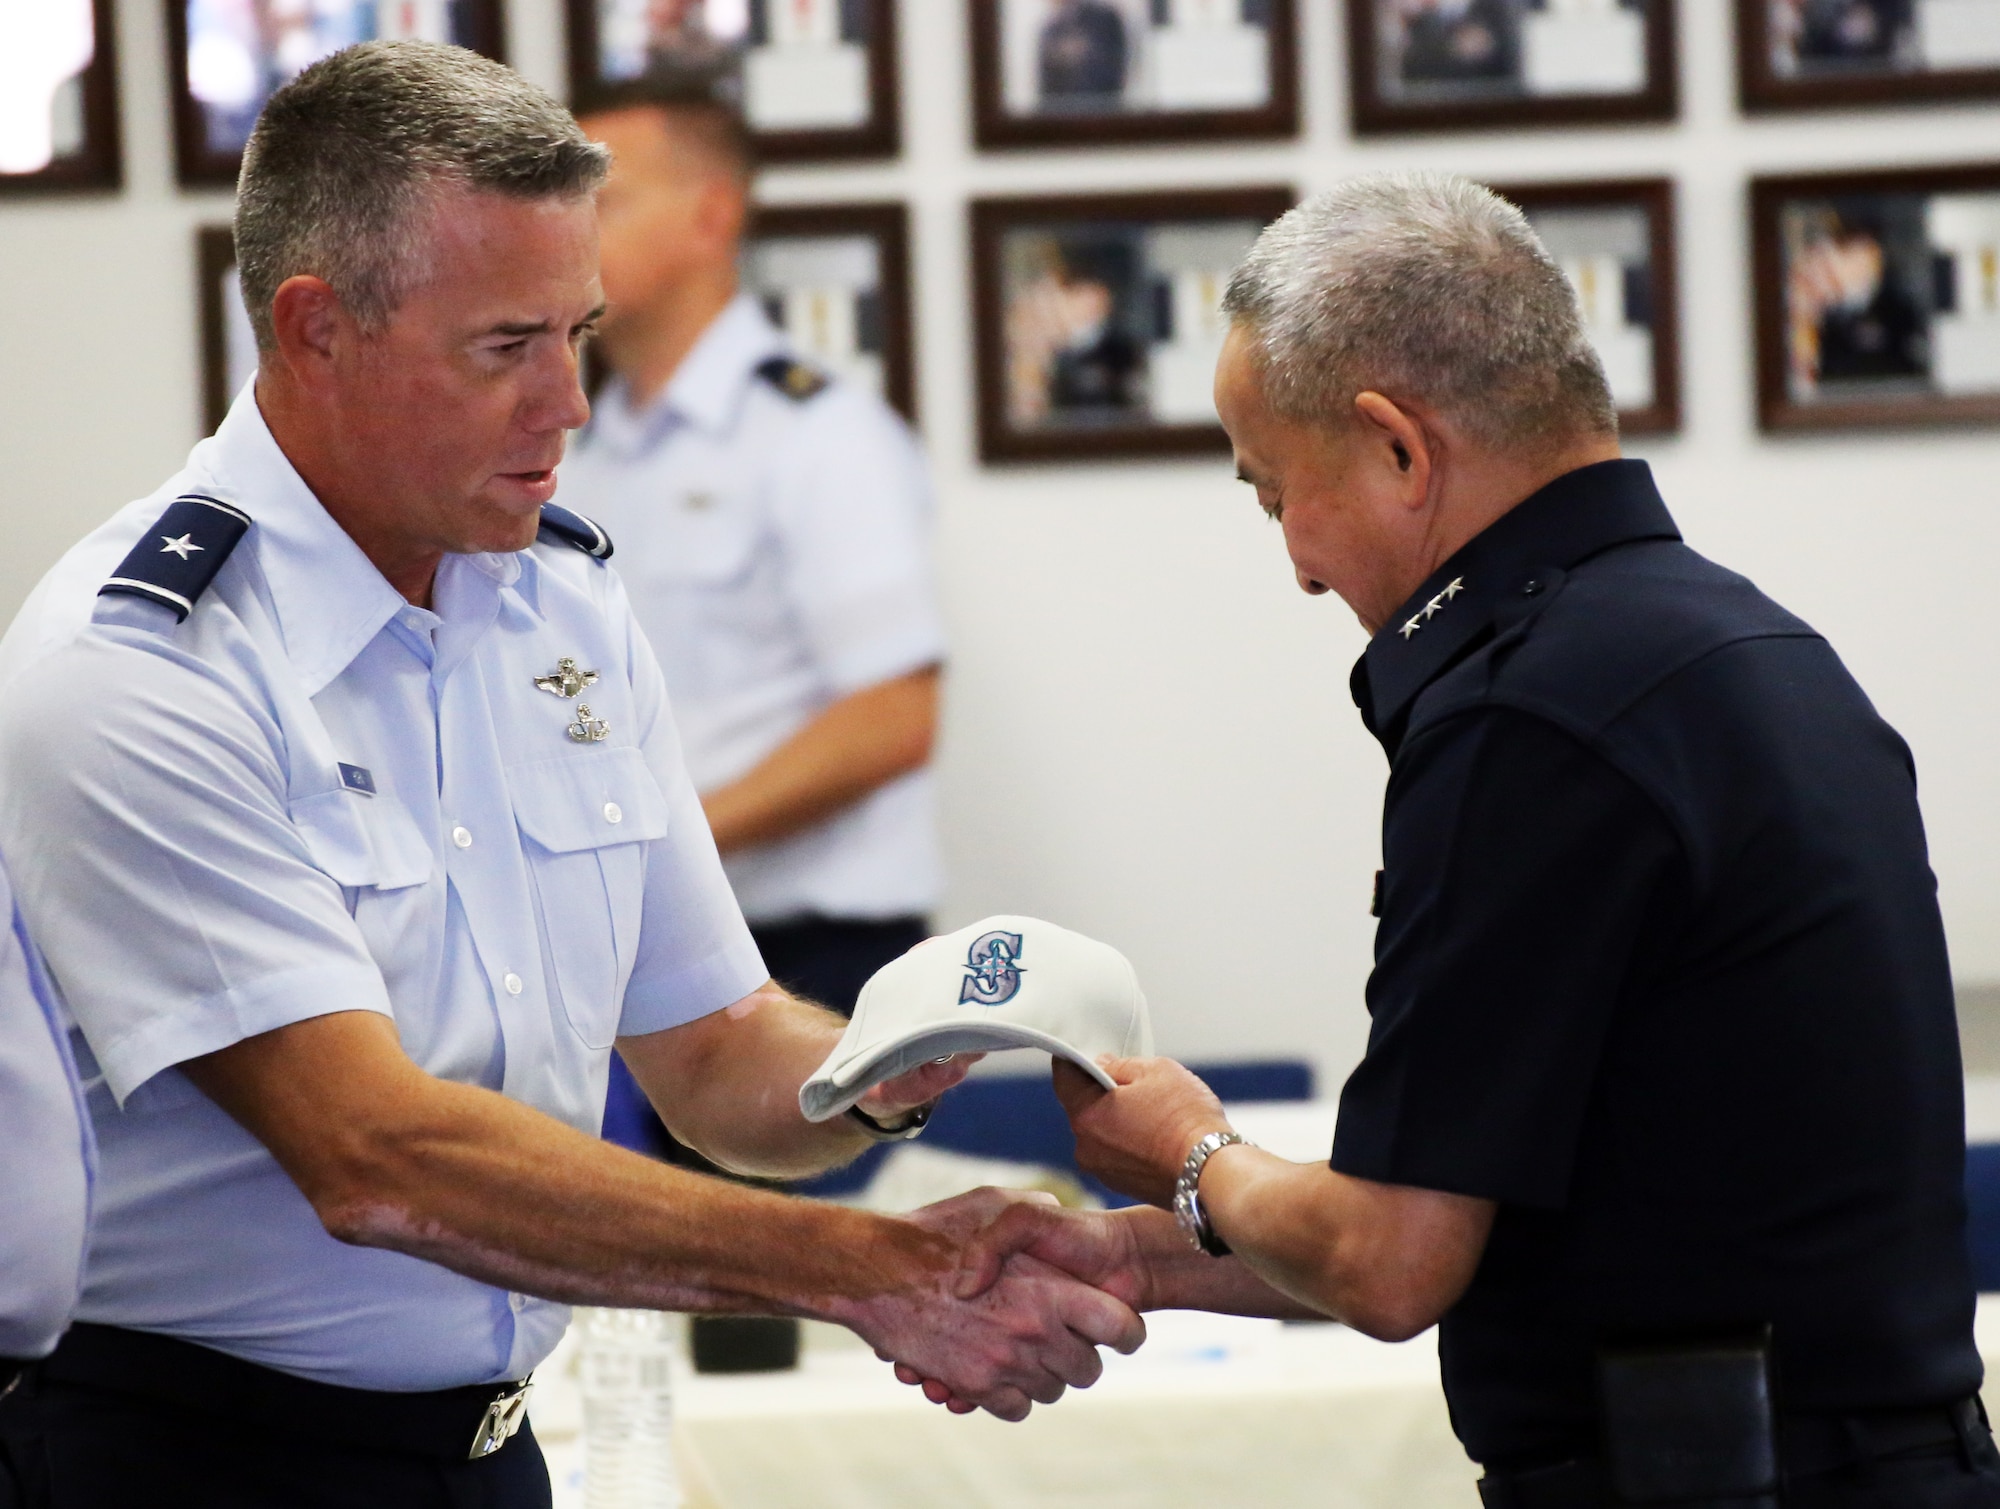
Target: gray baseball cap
(1005, 982)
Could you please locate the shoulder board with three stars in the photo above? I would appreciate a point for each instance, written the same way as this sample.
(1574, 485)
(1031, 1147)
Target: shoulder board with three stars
(794, 379)
(577, 532)
(177, 558)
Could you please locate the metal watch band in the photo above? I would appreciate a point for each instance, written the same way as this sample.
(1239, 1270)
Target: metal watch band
(902, 1129)
(1189, 1212)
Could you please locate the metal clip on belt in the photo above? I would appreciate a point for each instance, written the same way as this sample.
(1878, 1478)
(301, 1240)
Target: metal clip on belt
(502, 1419)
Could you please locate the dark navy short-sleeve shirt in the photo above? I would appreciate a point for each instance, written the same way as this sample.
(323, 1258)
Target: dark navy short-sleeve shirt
(1659, 970)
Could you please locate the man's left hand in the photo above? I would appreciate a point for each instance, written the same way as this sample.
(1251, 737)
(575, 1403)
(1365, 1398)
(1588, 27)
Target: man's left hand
(1135, 1138)
(919, 1087)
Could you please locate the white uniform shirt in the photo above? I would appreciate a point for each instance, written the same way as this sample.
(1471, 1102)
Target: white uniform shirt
(46, 1153)
(197, 870)
(777, 550)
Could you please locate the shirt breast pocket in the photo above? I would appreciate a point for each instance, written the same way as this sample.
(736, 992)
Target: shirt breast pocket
(585, 820)
(363, 842)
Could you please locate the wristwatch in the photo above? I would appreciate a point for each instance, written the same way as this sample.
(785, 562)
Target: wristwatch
(1189, 1214)
(901, 1129)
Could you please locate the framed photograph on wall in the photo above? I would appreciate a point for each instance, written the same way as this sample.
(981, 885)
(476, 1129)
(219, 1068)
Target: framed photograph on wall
(1098, 320)
(228, 346)
(1811, 54)
(819, 76)
(1877, 298)
(229, 56)
(836, 279)
(1454, 65)
(1091, 72)
(1615, 241)
(59, 129)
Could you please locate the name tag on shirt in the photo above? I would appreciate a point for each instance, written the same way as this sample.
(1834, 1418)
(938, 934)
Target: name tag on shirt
(358, 778)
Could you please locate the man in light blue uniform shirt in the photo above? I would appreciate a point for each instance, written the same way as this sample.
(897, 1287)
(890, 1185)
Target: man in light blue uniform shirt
(47, 1158)
(364, 838)
(774, 529)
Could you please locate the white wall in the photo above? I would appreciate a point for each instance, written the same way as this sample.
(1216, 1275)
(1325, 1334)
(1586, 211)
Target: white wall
(1149, 735)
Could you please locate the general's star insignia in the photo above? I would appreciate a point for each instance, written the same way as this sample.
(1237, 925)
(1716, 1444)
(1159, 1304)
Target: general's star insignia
(182, 547)
(1457, 586)
(1411, 627)
(565, 680)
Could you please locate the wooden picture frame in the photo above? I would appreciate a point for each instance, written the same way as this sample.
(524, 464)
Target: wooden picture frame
(209, 136)
(1645, 372)
(1878, 57)
(878, 133)
(1096, 319)
(86, 102)
(226, 343)
(1877, 298)
(1003, 117)
(1535, 74)
(878, 331)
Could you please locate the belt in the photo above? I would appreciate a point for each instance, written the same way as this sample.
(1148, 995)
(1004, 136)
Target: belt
(1808, 1444)
(445, 1425)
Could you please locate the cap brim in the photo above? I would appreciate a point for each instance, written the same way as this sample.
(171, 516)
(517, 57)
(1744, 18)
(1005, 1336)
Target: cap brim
(834, 1089)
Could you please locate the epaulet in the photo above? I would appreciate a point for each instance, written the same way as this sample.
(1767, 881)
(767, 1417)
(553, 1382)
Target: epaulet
(574, 530)
(794, 379)
(177, 558)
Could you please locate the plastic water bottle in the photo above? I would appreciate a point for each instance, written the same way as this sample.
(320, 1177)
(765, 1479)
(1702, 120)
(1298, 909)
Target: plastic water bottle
(628, 1411)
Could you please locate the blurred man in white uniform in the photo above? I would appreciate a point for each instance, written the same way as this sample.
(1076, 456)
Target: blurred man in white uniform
(773, 532)
(47, 1158)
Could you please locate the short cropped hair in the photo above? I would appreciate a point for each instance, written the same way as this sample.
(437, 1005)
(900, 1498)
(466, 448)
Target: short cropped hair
(701, 97)
(347, 156)
(1420, 286)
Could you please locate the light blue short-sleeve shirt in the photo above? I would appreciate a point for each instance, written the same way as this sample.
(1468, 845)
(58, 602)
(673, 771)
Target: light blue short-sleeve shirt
(777, 546)
(313, 797)
(47, 1155)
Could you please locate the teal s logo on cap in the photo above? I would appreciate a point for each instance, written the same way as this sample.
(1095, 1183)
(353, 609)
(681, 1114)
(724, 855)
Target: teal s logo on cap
(992, 969)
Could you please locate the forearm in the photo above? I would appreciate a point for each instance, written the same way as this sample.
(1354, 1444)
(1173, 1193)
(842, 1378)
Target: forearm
(1386, 1259)
(853, 747)
(728, 1086)
(464, 1177)
(1179, 1277)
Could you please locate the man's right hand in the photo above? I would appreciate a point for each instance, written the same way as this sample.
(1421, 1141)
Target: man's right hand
(1029, 1332)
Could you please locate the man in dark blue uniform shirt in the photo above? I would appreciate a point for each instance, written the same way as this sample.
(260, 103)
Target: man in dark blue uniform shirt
(1661, 1113)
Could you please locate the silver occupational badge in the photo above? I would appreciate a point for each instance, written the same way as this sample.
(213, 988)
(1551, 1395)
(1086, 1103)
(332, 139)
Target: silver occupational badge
(565, 680)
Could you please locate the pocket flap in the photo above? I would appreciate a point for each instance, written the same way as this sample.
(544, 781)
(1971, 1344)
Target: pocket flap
(363, 840)
(588, 800)
(714, 543)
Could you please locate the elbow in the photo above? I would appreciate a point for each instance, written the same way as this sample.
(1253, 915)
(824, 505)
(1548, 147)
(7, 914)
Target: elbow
(1389, 1317)
(361, 1192)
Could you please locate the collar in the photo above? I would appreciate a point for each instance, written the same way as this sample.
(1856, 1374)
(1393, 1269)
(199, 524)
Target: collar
(328, 597)
(706, 390)
(1506, 572)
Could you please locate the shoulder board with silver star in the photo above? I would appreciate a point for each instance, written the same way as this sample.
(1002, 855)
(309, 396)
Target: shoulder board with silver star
(794, 379)
(575, 531)
(177, 558)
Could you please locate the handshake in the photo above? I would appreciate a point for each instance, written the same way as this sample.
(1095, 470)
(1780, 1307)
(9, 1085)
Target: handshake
(1025, 1292)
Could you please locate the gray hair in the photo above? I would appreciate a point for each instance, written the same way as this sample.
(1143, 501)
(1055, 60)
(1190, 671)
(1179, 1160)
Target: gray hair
(1424, 286)
(347, 156)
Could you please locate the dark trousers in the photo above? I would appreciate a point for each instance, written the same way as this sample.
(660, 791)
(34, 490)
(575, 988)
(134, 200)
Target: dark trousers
(188, 1426)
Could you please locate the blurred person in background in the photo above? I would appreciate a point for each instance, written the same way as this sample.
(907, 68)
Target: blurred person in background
(774, 534)
(47, 1160)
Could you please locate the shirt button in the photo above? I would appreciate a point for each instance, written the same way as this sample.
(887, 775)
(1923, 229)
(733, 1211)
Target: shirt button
(613, 813)
(513, 983)
(462, 836)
